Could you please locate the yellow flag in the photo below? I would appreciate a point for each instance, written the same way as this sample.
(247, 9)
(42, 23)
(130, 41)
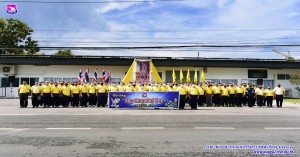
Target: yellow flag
(188, 78)
(202, 76)
(196, 76)
(181, 76)
(155, 74)
(128, 75)
(174, 76)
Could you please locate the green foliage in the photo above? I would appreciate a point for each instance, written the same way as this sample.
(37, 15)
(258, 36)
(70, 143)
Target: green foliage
(64, 53)
(15, 37)
(295, 79)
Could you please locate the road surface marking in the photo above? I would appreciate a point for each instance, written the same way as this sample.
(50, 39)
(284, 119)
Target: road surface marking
(68, 128)
(142, 128)
(13, 129)
(282, 128)
(215, 128)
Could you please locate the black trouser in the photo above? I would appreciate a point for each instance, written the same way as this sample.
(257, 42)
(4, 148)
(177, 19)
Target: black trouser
(84, 100)
(239, 99)
(66, 100)
(269, 101)
(245, 100)
(92, 99)
(23, 99)
(34, 100)
(101, 99)
(251, 100)
(75, 100)
(232, 100)
(47, 99)
(208, 99)
(217, 100)
(194, 101)
(55, 100)
(225, 101)
(182, 102)
(41, 101)
(260, 100)
(201, 100)
(279, 100)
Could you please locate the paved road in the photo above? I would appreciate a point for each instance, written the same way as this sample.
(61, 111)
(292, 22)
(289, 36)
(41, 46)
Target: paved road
(106, 132)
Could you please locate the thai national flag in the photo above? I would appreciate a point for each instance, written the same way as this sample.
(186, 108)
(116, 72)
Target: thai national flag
(103, 76)
(87, 79)
(107, 77)
(80, 75)
(95, 74)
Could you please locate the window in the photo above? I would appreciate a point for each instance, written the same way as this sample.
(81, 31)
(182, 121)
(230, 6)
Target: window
(215, 80)
(283, 76)
(5, 82)
(229, 81)
(53, 79)
(252, 73)
(29, 80)
(115, 80)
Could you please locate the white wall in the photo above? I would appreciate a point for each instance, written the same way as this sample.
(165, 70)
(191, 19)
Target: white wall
(71, 71)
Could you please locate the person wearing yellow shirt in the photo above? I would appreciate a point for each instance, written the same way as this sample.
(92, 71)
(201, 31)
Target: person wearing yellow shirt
(129, 88)
(92, 94)
(83, 95)
(217, 94)
(46, 92)
(55, 93)
(209, 94)
(259, 96)
(183, 93)
(101, 94)
(279, 92)
(23, 92)
(155, 88)
(269, 94)
(239, 96)
(201, 99)
(163, 88)
(35, 94)
(232, 92)
(75, 91)
(121, 87)
(40, 101)
(225, 95)
(66, 93)
(193, 93)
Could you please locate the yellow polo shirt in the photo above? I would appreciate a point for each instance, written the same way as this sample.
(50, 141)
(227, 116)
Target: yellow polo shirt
(35, 89)
(46, 89)
(24, 88)
(66, 90)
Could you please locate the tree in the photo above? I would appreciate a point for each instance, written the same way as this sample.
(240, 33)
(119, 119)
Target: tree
(15, 37)
(295, 79)
(64, 53)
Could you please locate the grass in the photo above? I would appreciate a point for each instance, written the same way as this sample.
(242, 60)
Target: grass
(297, 101)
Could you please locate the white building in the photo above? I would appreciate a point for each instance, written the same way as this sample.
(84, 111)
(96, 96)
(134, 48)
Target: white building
(45, 68)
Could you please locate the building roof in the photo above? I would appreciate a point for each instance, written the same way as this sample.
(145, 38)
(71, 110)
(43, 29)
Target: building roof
(157, 61)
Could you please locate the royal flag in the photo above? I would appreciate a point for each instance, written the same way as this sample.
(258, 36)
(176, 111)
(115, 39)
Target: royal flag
(86, 75)
(95, 74)
(80, 75)
(173, 76)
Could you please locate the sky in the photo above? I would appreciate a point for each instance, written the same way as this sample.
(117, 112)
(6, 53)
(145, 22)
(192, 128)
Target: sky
(160, 28)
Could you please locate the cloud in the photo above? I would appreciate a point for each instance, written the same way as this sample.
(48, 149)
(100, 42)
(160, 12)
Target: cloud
(214, 22)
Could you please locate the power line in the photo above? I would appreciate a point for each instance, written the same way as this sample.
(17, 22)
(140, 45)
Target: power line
(88, 2)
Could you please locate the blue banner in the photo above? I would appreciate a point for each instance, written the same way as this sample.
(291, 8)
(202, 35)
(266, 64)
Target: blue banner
(143, 99)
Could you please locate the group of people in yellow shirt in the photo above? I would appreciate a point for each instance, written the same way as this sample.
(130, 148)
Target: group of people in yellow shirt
(55, 94)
